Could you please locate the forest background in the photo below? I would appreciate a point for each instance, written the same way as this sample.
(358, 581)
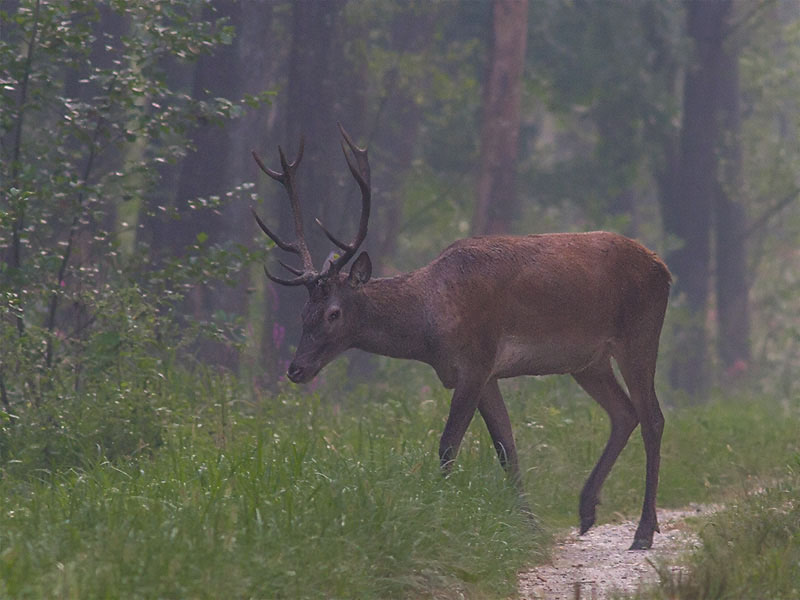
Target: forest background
(127, 131)
(131, 265)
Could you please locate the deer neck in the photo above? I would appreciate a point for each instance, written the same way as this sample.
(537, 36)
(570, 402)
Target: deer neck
(394, 322)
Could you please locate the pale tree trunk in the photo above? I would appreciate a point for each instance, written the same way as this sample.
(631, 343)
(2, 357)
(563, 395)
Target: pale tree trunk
(495, 204)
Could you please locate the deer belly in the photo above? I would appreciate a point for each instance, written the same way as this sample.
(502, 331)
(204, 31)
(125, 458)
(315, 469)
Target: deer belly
(519, 356)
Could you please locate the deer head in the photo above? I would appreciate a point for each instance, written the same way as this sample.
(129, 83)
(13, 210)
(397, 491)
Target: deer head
(330, 321)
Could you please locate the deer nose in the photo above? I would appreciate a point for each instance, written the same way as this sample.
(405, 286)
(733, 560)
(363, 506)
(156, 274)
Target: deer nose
(295, 373)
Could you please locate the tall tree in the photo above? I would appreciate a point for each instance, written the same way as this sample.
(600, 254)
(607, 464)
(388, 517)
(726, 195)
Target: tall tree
(495, 205)
(687, 210)
(311, 109)
(207, 171)
(730, 221)
(220, 158)
(216, 161)
(398, 122)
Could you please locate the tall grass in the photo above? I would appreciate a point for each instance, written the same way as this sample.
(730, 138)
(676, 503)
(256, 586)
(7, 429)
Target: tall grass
(338, 494)
(296, 501)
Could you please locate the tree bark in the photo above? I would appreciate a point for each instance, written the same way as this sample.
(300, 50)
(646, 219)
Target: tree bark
(687, 213)
(495, 205)
(220, 159)
(208, 170)
(730, 224)
(310, 113)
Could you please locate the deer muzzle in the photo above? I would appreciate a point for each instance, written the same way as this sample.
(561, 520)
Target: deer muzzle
(300, 374)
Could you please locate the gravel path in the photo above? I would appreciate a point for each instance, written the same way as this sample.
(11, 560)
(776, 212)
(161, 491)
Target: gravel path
(598, 563)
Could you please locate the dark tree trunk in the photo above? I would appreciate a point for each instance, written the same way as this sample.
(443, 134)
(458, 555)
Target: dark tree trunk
(495, 205)
(219, 161)
(208, 170)
(397, 131)
(205, 170)
(310, 113)
(730, 225)
(687, 211)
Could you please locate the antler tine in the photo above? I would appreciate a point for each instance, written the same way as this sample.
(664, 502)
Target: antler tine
(274, 174)
(360, 172)
(307, 278)
(289, 169)
(288, 246)
(332, 237)
(292, 166)
(299, 245)
(291, 269)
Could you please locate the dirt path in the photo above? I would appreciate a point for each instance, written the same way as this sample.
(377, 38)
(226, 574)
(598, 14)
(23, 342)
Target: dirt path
(593, 566)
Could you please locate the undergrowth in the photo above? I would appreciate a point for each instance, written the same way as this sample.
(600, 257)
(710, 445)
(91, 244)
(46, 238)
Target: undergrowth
(223, 491)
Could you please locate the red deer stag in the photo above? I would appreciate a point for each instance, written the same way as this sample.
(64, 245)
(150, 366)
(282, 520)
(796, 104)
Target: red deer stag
(494, 307)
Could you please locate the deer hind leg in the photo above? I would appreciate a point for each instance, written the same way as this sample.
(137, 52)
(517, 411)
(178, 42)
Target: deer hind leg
(494, 413)
(638, 365)
(600, 383)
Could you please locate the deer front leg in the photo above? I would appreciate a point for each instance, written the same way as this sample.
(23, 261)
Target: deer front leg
(462, 408)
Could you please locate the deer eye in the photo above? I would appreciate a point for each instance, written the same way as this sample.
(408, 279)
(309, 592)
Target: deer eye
(334, 314)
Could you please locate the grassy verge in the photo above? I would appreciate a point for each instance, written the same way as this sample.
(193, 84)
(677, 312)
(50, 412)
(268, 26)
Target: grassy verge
(750, 550)
(709, 452)
(339, 495)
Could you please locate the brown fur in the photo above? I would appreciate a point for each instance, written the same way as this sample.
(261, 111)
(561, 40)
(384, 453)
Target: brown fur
(501, 306)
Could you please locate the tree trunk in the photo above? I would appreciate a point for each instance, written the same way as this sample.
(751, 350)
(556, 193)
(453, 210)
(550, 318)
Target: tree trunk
(219, 161)
(310, 104)
(730, 225)
(687, 213)
(495, 205)
(208, 170)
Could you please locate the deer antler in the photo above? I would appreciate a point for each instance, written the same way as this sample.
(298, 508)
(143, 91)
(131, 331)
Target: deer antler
(298, 246)
(359, 167)
(360, 171)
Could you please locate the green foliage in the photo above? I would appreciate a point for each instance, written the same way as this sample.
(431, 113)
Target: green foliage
(284, 501)
(423, 64)
(601, 84)
(87, 117)
(240, 495)
(770, 88)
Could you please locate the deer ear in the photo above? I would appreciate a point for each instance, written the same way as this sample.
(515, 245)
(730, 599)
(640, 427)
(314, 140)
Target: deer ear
(361, 270)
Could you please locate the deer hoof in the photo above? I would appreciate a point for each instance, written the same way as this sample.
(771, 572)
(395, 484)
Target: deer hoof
(586, 524)
(641, 543)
